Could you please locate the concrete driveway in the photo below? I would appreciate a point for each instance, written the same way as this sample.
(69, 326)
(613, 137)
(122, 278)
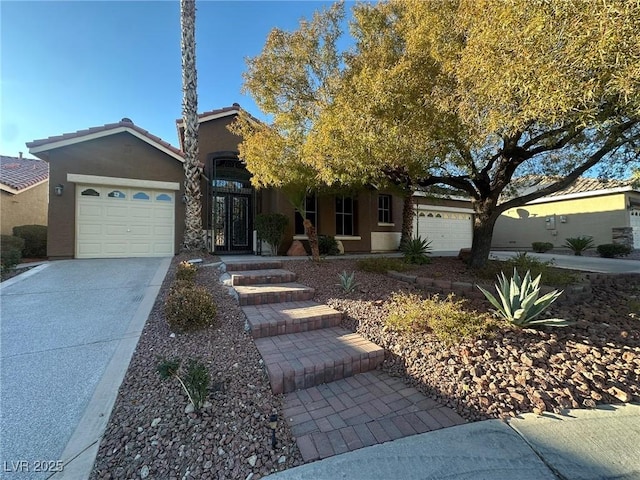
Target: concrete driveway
(576, 262)
(68, 330)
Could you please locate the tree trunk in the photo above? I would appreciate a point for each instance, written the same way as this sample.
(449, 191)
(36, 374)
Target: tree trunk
(193, 237)
(312, 234)
(483, 223)
(408, 213)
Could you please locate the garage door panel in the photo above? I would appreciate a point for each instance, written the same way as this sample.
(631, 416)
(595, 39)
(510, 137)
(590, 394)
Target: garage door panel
(447, 231)
(132, 224)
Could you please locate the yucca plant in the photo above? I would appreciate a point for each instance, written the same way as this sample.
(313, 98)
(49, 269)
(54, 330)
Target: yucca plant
(415, 250)
(520, 303)
(347, 282)
(579, 244)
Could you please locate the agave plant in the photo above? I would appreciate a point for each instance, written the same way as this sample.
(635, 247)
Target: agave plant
(579, 244)
(416, 250)
(347, 282)
(520, 302)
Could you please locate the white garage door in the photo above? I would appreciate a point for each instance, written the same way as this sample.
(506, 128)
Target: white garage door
(448, 231)
(124, 222)
(635, 225)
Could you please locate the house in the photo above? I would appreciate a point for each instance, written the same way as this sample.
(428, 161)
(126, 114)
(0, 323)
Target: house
(607, 210)
(121, 191)
(24, 192)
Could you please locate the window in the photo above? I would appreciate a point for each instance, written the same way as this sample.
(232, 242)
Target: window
(311, 207)
(384, 208)
(141, 196)
(90, 192)
(163, 197)
(344, 216)
(116, 194)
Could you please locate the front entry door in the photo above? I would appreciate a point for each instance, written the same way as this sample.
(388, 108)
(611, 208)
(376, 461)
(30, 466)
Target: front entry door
(232, 229)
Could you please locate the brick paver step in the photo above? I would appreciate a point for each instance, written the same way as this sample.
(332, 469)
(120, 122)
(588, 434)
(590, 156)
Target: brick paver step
(361, 411)
(302, 360)
(290, 317)
(258, 265)
(253, 277)
(273, 293)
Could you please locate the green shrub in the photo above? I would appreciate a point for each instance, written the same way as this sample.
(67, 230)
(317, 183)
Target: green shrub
(415, 251)
(186, 272)
(523, 262)
(10, 252)
(541, 247)
(611, 250)
(189, 307)
(35, 240)
(270, 228)
(194, 381)
(382, 265)
(520, 302)
(579, 244)
(347, 282)
(327, 245)
(447, 319)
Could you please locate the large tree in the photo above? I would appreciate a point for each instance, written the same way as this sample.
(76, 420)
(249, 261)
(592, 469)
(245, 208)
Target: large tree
(193, 238)
(476, 93)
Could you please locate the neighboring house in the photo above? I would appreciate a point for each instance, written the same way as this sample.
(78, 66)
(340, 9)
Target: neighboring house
(24, 196)
(122, 192)
(609, 211)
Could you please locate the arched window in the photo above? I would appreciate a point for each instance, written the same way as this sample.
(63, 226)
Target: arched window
(90, 192)
(116, 194)
(163, 197)
(140, 196)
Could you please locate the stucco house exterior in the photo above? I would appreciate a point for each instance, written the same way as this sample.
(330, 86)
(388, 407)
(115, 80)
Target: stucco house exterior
(24, 192)
(122, 188)
(609, 211)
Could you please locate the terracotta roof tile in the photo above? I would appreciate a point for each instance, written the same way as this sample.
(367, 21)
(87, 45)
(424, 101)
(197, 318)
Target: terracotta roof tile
(110, 126)
(20, 173)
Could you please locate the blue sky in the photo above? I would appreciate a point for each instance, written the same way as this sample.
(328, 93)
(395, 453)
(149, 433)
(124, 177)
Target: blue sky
(66, 66)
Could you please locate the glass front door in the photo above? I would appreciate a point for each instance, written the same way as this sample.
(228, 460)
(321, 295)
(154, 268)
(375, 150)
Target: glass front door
(232, 222)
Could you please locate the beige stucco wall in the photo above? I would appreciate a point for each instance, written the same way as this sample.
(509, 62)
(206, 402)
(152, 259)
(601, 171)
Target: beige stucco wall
(518, 227)
(26, 208)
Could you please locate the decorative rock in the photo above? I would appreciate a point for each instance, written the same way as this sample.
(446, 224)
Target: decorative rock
(144, 472)
(252, 460)
(282, 459)
(156, 422)
(296, 249)
(189, 408)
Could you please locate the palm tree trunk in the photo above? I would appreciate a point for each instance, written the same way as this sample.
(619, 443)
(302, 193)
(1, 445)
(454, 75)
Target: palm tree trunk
(193, 237)
(312, 234)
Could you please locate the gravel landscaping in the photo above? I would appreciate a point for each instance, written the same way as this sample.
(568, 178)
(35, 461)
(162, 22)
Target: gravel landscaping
(597, 360)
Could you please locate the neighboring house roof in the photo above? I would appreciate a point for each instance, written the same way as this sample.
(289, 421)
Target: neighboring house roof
(18, 174)
(582, 187)
(124, 125)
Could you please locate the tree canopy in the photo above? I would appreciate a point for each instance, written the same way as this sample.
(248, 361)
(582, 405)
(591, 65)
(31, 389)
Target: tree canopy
(467, 94)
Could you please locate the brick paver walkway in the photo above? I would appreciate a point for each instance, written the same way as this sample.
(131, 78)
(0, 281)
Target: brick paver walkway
(337, 400)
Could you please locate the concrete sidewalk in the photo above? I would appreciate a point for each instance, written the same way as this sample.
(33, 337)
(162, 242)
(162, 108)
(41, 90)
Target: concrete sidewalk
(68, 331)
(577, 262)
(602, 444)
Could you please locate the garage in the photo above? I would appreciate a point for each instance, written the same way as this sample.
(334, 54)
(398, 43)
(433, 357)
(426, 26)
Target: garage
(634, 219)
(113, 221)
(448, 229)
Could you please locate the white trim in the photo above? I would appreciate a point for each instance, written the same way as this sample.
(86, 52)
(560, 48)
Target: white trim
(383, 224)
(445, 197)
(444, 209)
(105, 133)
(9, 189)
(121, 182)
(300, 237)
(213, 116)
(593, 193)
(348, 237)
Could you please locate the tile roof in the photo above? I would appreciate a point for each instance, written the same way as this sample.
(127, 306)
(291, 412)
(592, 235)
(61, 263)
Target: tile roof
(124, 123)
(233, 108)
(586, 185)
(21, 173)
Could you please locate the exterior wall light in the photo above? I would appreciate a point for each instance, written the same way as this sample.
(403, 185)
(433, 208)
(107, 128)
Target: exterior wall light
(58, 189)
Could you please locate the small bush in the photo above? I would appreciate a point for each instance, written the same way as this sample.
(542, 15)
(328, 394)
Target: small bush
(541, 247)
(194, 381)
(186, 272)
(327, 245)
(611, 250)
(35, 240)
(447, 319)
(270, 228)
(189, 307)
(382, 265)
(415, 251)
(10, 252)
(579, 244)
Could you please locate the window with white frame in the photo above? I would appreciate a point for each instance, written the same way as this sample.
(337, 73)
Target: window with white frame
(345, 211)
(384, 208)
